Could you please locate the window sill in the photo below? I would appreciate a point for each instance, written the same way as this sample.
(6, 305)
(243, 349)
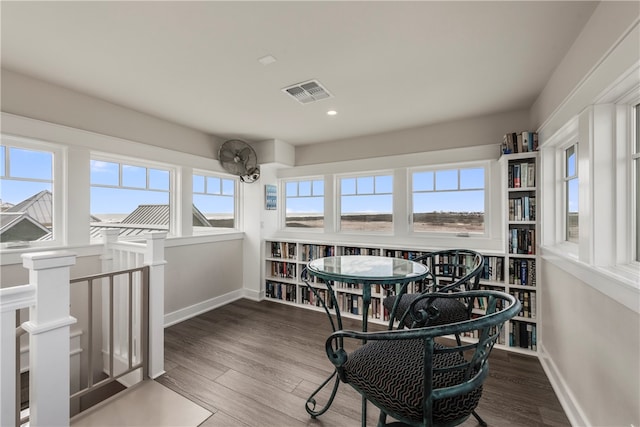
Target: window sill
(621, 283)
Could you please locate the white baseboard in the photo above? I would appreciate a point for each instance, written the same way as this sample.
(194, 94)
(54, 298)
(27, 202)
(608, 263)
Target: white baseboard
(571, 407)
(203, 306)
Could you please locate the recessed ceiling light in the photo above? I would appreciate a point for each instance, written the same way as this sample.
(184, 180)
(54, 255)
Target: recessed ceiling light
(266, 60)
(332, 112)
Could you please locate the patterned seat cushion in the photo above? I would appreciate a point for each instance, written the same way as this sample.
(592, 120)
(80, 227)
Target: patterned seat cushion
(390, 374)
(451, 310)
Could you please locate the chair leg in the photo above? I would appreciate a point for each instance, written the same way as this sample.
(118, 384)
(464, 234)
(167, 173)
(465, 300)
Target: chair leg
(480, 420)
(382, 419)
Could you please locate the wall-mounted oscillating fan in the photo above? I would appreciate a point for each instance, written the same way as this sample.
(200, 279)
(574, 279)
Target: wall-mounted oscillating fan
(237, 157)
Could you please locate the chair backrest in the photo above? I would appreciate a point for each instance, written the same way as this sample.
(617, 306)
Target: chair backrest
(454, 270)
(416, 377)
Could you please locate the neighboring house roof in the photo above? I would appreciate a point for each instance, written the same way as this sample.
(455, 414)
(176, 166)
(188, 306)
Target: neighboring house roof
(125, 230)
(16, 226)
(39, 207)
(159, 215)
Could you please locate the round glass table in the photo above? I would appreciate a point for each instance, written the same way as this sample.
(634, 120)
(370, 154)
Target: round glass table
(363, 270)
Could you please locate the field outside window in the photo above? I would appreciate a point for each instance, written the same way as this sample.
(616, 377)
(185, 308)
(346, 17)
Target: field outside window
(366, 203)
(451, 200)
(304, 203)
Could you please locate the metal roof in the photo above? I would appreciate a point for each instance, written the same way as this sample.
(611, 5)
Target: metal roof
(159, 215)
(39, 207)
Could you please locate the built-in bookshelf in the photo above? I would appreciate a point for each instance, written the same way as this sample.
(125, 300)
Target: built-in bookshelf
(285, 273)
(520, 172)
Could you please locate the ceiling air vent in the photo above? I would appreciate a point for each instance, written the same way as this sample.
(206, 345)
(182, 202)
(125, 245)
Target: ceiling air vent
(307, 92)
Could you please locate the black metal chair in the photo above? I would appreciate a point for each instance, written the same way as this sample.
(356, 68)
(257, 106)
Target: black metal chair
(417, 376)
(452, 270)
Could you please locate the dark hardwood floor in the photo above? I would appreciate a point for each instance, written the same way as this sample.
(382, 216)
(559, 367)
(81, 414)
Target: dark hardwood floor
(255, 364)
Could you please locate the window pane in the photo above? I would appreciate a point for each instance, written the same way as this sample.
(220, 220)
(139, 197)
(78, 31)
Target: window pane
(105, 173)
(214, 205)
(366, 213)
(447, 180)
(213, 185)
(30, 164)
(198, 184)
(318, 188)
(304, 188)
(304, 204)
(571, 161)
(213, 211)
(110, 203)
(137, 204)
(292, 189)
(450, 200)
(572, 210)
(365, 185)
(449, 211)
(471, 178)
(348, 186)
(384, 184)
(27, 176)
(134, 176)
(158, 179)
(228, 187)
(423, 181)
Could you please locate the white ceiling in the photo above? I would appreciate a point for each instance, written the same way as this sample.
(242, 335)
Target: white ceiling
(389, 65)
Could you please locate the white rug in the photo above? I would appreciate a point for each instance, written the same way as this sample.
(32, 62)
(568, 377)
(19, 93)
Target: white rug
(146, 404)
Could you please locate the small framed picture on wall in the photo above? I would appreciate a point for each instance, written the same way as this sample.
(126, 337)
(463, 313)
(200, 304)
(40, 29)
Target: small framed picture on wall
(270, 197)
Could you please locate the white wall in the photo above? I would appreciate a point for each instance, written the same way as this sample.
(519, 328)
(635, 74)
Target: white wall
(591, 344)
(29, 97)
(463, 133)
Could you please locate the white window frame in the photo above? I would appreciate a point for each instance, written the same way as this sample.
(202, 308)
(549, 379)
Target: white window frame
(174, 219)
(338, 200)
(634, 184)
(484, 165)
(605, 256)
(236, 200)
(58, 189)
(283, 197)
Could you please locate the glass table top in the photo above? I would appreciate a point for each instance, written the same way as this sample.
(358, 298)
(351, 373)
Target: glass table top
(367, 269)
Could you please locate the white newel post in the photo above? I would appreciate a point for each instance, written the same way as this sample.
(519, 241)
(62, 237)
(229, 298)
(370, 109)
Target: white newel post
(154, 258)
(11, 300)
(49, 330)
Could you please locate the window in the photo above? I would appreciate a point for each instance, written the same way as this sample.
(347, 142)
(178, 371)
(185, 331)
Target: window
(134, 198)
(449, 200)
(214, 202)
(304, 203)
(26, 193)
(571, 193)
(366, 203)
(636, 172)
